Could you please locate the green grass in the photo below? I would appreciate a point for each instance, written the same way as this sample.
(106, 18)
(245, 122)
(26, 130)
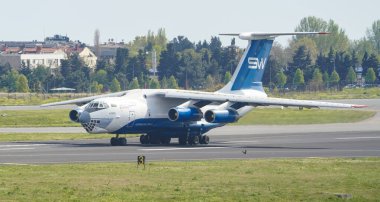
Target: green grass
(50, 118)
(36, 118)
(225, 180)
(346, 93)
(275, 116)
(8, 137)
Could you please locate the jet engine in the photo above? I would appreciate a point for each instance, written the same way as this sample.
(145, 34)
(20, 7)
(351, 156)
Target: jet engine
(221, 116)
(181, 114)
(79, 116)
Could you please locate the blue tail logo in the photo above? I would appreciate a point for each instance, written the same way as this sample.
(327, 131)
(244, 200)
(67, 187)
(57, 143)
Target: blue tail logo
(249, 72)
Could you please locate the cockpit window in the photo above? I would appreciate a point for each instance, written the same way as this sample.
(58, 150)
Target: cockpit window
(96, 105)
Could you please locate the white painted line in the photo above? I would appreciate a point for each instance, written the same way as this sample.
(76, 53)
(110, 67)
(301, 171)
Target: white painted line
(21, 145)
(354, 138)
(25, 148)
(247, 141)
(173, 149)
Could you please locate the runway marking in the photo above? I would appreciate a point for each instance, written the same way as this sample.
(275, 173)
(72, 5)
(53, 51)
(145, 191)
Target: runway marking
(354, 138)
(247, 141)
(25, 148)
(21, 145)
(173, 149)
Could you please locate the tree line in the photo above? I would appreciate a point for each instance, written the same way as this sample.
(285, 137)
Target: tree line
(308, 62)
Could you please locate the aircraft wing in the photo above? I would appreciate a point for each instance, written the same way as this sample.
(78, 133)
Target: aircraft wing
(252, 100)
(82, 101)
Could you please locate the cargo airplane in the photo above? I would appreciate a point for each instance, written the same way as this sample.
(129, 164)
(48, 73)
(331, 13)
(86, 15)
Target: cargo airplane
(162, 114)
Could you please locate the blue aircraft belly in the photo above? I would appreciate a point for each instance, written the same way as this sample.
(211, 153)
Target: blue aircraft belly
(162, 125)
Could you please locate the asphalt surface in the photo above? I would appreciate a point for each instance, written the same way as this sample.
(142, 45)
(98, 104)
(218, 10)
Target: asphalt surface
(360, 139)
(326, 144)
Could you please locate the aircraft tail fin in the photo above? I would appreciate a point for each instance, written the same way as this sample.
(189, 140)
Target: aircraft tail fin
(250, 70)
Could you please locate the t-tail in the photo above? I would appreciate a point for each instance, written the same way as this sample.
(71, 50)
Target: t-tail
(250, 70)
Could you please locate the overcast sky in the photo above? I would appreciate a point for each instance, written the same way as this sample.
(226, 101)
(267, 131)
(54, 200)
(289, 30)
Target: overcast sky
(195, 19)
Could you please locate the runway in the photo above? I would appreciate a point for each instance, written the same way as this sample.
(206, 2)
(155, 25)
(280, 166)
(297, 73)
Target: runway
(360, 139)
(325, 144)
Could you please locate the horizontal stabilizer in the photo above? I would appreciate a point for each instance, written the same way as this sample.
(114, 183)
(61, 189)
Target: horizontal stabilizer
(258, 35)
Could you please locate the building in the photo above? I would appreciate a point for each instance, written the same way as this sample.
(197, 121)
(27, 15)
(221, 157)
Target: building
(52, 60)
(88, 57)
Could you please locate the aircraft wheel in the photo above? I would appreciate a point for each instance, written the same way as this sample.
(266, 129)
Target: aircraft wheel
(114, 141)
(194, 140)
(144, 139)
(122, 141)
(205, 139)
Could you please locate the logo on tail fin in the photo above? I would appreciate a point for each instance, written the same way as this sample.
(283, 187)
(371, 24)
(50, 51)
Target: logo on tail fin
(254, 63)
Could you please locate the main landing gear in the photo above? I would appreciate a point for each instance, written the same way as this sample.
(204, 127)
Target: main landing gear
(118, 141)
(193, 140)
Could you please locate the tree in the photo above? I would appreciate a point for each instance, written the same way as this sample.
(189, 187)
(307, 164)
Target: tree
(97, 42)
(373, 35)
(298, 78)
(316, 82)
(334, 78)
(227, 77)
(121, 61)
(11, 80)
(337, 39)
(164, 83)
(301, 60)
(172, 83)
(154, 84)
(370, 77)
(326, 79)
(101, 77)
(134, 84)
(115, 85)
(351, 76)
(210, 82)
(96, 87)
(281, 79)
(22, 84)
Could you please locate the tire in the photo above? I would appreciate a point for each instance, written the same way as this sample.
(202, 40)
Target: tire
(122, 141)
(195, 140)
(205, 139)
(143, 139)
(114, 141)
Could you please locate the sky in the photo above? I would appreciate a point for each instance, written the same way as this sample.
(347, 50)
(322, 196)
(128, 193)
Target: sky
(196, 19)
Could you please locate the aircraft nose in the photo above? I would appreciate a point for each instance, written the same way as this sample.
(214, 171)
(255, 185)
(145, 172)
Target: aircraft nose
(84, 117)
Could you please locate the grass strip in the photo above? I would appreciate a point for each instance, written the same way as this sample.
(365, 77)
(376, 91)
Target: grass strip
(310, 179)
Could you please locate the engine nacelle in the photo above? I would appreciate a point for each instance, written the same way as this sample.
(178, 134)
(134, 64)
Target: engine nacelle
(79, 116)
(221, 116)
(181, 114)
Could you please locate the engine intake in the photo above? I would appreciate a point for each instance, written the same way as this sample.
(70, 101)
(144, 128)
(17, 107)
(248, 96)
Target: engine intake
(79, 116)
(221, 116)
(185, 114)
